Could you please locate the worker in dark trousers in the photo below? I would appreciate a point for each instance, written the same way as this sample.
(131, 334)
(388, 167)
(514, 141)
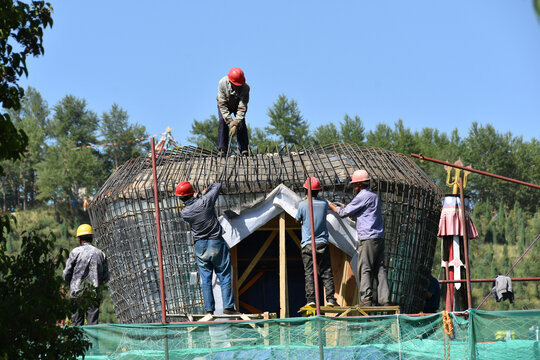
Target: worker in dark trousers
(365, 208)
(211, 250)
(320, 209)
(233, 98)
(86, 265)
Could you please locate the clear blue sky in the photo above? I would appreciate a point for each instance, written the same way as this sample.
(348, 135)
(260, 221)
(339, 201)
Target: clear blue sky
(430, 63)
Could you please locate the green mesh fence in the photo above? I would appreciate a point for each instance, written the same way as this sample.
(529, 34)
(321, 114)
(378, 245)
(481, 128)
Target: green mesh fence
(480, 335)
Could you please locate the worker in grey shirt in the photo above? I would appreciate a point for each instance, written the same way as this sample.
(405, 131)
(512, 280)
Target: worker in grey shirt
(233, 98)
(365, 208)
(86, 265)
(211, 250)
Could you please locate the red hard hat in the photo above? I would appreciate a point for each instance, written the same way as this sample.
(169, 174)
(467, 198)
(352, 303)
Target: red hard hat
(236, 76)
(359, 176)
(184, 188)
(315, 184)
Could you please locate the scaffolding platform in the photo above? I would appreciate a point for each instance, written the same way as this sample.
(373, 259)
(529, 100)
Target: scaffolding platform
(343, 311)
(213, 317)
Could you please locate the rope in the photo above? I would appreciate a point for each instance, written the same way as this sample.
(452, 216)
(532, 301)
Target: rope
(448, 330)
(447, 323)
(513, 266)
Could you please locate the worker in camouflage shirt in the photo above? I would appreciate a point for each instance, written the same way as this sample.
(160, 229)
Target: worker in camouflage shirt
(86, 265)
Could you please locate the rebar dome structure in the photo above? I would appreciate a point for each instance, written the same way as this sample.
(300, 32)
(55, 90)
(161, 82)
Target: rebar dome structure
(122, 213)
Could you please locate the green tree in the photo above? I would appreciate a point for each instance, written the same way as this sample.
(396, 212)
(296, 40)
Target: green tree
(381, 137)
(404, 141)
(205, 133)
(490, 151)
(259, 141)
(31, 118)
(21, 32)
(326, 134)
(352, 130)
(524, 154)
(117, 131)
(287, 122)
(50, 175)
(32, 303)
(72, 120)
(501, 236)
(433, 144)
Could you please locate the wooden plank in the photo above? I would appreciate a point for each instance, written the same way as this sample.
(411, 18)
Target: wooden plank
(252, 309)
(250, 283)
(283, 291)
(257, 257)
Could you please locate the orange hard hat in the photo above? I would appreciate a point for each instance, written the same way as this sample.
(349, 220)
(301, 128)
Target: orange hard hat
(315, 183)
(184, 188)
(236, 76)
(359, 176)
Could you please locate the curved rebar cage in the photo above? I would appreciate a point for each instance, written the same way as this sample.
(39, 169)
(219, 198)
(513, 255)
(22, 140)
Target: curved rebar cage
(123, 215)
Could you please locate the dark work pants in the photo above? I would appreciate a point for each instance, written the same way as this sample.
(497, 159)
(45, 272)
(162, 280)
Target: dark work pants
(92, 315)
(325, 270)
(223, 134)
(371, 268)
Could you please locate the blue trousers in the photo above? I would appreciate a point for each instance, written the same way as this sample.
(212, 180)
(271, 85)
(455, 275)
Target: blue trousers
(213, 255)
(223, 134)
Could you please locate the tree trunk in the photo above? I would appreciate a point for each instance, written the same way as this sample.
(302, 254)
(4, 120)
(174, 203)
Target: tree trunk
(4, 204)
(24, 190)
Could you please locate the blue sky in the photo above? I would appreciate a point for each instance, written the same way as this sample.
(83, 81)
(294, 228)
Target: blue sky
(430, 63)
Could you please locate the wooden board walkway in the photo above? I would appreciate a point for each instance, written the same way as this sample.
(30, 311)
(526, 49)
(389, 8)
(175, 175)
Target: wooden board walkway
(343, 311)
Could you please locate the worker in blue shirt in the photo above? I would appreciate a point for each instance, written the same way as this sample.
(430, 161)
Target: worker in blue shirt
(365, 208)
(211, 250)
(320, 209)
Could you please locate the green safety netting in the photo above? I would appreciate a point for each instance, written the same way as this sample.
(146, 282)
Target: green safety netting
(475, 335)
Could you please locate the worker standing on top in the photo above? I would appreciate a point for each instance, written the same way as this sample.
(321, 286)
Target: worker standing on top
(86, 264)
(233, 98)
(320, 209)
(211, 250)
(365, 208)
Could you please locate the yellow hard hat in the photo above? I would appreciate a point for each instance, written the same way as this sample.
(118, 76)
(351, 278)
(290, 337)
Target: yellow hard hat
(84, 229)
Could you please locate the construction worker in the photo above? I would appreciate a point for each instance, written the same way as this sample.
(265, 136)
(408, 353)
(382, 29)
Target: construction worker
(86, 265)
(365, 208)
(320, 209)
(211, 250)
(233, 98)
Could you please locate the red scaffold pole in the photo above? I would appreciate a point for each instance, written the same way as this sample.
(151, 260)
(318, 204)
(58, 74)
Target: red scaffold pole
(422, 157)
(158, 227)
(313, 248)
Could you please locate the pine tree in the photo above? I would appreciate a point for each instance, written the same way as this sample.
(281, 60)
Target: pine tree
(326, 134)
(287, 122)
(352, 130)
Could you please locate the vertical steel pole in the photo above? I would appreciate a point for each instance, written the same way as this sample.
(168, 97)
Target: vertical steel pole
(465, 244)
(313, 248)
(158, 227)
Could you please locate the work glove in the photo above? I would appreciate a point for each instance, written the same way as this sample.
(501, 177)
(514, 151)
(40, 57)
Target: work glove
(232, 131)
(234, 123)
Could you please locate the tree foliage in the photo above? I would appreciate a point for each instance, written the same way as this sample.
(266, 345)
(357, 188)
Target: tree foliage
(73, 121)
(287, 122)
(326, 134)
(32, 302)
(21, 32)
(205, 133)
(117, 131)
(352, 130)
